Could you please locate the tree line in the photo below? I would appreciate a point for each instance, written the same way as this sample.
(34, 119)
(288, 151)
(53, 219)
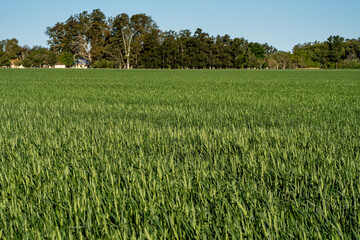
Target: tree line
(137, 42)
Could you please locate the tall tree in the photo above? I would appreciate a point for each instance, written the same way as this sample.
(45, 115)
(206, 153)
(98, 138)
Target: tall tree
(170, 50)
(183, 39)
(4, 61)
(52, 59)
(336, 48)
(223, 48)
(202, 48)
(283, 58)
(352, 49)
(131, 31)
(84, 35)
(61, 36)
(98, 33)
(9, 49)
(12, 48)
(268, 49)
(257, 49)
(150, 55)
(239, 47)
(259, 52)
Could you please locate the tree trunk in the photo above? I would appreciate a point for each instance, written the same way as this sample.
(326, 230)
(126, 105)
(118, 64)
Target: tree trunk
(128, 63)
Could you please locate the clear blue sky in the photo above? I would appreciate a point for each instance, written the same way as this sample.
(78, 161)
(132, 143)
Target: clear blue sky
(281, 23)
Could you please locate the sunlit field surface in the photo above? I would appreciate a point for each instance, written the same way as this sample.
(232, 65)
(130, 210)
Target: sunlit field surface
(179, 154)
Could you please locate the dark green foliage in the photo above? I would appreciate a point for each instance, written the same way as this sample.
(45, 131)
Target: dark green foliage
(67, 58)
(103, 64)
(137, 42)
(257, 50)
(9, 49)
(36, 57)
(328, 54)
(52, 59)
(196, 154)
(27, 63)
(336, 48)
(4, 60)
(351, 64)
(150, 54)
(84, 35)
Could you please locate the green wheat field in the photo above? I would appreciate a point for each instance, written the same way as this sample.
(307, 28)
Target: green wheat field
(179, 154)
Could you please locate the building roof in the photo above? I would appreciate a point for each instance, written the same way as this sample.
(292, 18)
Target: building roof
(14, 60)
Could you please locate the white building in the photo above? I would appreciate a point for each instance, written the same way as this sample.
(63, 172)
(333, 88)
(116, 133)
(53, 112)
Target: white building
(81, 63)
(59, 65)
(80, 66)
(15, 63)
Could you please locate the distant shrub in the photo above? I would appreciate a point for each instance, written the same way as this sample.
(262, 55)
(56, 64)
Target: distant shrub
(312, 64)
(329, 65)
(103, 64)
(67, 58)
(26, 62)
(351, 64)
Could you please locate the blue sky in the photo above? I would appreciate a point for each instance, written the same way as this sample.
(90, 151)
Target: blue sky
(281, 23)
